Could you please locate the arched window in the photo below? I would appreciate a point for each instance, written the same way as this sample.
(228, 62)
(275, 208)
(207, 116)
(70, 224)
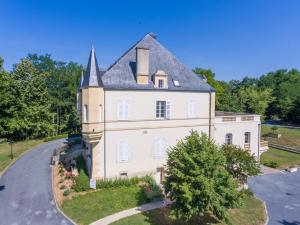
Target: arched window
(85, 113)
(100, 113)
(228, 139)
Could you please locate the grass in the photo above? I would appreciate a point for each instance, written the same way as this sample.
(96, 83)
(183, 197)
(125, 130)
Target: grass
(289, 136)
(18, 149)
(250, 213)
(86, 208)
(283, 158)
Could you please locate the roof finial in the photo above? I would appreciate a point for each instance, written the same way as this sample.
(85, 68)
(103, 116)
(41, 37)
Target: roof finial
(153, 35)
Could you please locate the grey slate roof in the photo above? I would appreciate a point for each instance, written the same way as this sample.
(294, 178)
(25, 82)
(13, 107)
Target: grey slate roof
(92, 76)
(81, 80)
(121, 75)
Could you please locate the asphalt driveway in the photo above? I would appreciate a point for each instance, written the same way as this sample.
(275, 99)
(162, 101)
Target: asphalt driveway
(281, 192)
(26, 196)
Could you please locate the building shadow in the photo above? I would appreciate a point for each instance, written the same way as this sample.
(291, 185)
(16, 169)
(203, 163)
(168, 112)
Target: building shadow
(284, 222)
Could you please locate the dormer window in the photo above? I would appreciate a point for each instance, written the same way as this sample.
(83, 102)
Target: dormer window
(160, 79)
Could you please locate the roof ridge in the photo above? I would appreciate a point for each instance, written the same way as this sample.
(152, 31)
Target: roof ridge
(136, 43)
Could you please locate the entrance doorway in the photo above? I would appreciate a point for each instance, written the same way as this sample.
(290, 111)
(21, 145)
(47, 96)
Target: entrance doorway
(160, 175)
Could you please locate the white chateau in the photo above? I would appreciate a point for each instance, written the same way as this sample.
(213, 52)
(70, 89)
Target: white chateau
(146, 101)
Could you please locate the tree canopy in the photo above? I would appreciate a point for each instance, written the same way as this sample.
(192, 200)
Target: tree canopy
(197, 180)
(274, 95)
(38, 98)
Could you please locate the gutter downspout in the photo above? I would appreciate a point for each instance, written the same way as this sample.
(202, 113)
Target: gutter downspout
(104, 136)
(209, 126)
(258, 147)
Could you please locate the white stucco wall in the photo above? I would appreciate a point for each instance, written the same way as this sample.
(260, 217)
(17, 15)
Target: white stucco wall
(142, 128)
(238, 128)
(141, 145)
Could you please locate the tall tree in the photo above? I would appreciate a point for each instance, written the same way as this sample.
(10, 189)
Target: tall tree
(197, 180)
(210, 76)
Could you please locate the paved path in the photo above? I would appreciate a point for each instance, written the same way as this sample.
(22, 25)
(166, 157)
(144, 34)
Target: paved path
(26, 196)
(130, 212)
(268, 170)
(281, 192)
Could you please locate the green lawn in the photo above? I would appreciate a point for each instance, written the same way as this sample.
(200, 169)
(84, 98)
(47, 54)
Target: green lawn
(283, 158)
(84, 209)
(290, 137)
(251, 213)
(18, 149)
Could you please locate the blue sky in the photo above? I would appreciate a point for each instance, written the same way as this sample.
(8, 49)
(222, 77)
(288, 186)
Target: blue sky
(233, 38)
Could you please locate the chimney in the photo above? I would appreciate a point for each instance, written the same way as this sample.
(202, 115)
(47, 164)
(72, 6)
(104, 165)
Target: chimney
(142, 65)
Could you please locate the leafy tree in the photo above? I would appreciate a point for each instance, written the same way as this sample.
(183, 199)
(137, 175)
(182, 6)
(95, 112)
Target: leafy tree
(197, 180)
(253, 100)
(210, 76)
(239, 162)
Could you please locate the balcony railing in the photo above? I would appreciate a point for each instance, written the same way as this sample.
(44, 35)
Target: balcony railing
(264, 146)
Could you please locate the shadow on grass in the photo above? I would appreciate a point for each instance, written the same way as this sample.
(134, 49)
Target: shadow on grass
(162, 216)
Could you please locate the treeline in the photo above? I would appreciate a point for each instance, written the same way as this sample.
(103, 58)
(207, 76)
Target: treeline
(275, 95)
(38, 98)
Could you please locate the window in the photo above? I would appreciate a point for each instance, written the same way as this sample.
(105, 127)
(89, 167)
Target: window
(123, 151)
(176, 83)
(85, 113)
(247, 137)
(192, 109)
(100, 113)
(228, 139)
(161, 83)
(123, 110)
(163, 109)
(159, 148)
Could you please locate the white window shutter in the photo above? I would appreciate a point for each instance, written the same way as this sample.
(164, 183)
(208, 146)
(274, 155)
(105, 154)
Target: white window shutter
(192, 109)
(119, 110)
(126, 109)
(168, 110)
(159, 148)
(123, 152)
(123, 110)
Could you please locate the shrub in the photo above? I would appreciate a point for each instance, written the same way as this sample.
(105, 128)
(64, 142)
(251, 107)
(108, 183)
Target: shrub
(81, 182)
(271, 164)
(66, 192)
(62, 187)
(120, 182)
(152, 190)
(61, 180)
(247, 192)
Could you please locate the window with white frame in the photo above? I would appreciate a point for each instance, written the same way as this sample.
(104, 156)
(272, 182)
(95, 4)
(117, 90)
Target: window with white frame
(85, 113)
(163, 109)
(228, 139)
(160, 147)
(192, 109)
(123, 151)
(247, 137)
(123, 110)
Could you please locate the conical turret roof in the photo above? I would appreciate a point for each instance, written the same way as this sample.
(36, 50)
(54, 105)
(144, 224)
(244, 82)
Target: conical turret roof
(92, 77)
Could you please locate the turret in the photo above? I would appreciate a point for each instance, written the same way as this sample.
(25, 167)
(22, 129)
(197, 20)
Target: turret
(92, 100)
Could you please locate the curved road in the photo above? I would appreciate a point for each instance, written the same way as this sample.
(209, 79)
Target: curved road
(26, 196)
